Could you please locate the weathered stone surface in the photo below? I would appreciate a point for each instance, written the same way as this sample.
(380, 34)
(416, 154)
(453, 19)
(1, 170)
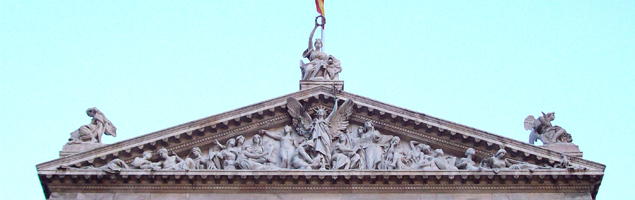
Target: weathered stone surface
(167, 196)
(62, 196)
(567, 148)
(553, 196)
(427, 196)
(75, 148)
(311, 84)
(324, 196)
(473, 196)
(95, 196)
(577, 196)
(132, 196)
(517, 196)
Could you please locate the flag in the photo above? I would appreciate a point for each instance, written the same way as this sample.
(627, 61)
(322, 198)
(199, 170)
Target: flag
(319, 6)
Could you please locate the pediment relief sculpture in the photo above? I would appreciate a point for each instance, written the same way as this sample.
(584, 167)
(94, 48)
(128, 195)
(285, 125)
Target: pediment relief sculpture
(275, 143)
(323, 142)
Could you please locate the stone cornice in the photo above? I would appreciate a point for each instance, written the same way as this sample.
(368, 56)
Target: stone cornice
(299, 181)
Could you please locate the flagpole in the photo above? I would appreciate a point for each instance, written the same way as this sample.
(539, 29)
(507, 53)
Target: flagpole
(322, 37)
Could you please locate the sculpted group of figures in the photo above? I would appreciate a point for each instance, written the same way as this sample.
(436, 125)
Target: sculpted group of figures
(325, 142)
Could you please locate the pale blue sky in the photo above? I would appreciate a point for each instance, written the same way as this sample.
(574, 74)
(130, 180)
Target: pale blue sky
(150, 65)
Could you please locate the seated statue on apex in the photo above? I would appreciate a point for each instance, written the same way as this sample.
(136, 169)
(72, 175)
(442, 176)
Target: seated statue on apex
(541, 129)
(321, 66)
(92, 133)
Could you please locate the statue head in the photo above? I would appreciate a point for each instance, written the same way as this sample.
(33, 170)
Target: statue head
(470, 151)
(240, 139)
(549, 116)
(197, 152)
(231, 142)
(500, 153)
(321, 113)
(257, 139)
(425, 148)
(360, 130)
(342, 139)
(368, 125)
(287, 129)
(147, 154)
(92, 111)
(438, 152)
(163, 152)
(395, 140)
(318, 43)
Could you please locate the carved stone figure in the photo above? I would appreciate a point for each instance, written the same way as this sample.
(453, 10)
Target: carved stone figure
(286, 144)
(301, 159)
(499, 162)
(441, 162)
(171, 162)
(372, 142)
(215, 158)
(114, 166)
(345, 156)
(566, 164)
(468, 163)
(394, 158)
(321, 67)
(91, 133)
(256, 156)
(198, 162)
(323, 128)
(541, 129)
(421, 156)
(144, 162)
(229, 154)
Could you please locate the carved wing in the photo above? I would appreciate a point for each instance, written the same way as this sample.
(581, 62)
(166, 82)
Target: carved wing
(299, 113)
(530, 122)
(339, 119)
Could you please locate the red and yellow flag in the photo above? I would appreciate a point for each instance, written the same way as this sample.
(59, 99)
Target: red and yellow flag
(319, 6)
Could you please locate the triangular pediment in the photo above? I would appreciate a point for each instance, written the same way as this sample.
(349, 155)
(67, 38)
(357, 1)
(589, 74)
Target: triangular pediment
(538, 166)
(454, 139)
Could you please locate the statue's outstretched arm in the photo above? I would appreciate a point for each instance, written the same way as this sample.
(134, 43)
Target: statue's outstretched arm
(333, 111)
(272, 135)
(220, 145)
(413, 144)
(310, 48)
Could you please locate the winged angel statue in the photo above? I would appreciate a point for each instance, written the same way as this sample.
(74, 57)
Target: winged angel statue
(541, 129)
(323, 129)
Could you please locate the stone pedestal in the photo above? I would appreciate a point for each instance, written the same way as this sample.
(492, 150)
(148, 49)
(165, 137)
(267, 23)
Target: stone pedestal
(70, 149)
(310, 84)
(567, 148)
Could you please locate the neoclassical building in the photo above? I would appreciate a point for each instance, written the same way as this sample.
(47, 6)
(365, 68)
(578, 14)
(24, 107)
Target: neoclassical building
(320, 142)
